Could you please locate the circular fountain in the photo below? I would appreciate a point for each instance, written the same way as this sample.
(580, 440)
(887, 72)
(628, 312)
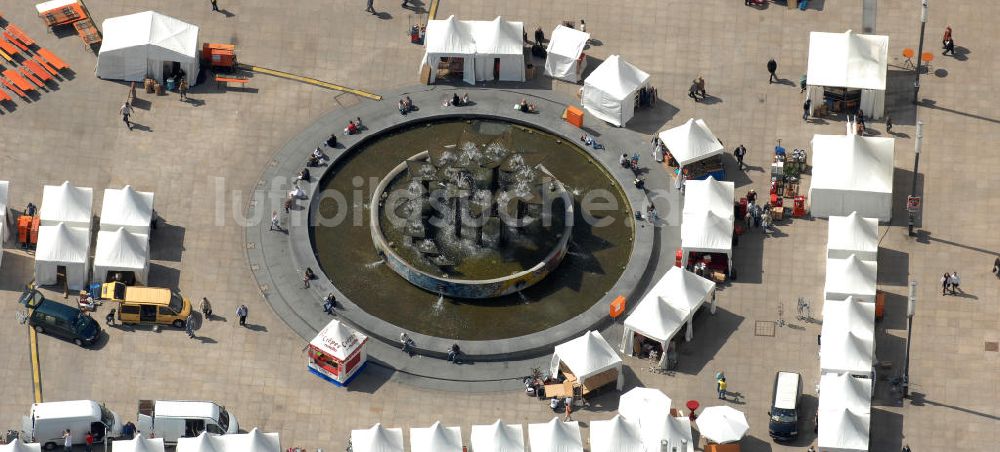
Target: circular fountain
(472, 220)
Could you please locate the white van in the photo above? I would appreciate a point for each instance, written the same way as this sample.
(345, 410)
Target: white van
(47, 422)
(172, 419)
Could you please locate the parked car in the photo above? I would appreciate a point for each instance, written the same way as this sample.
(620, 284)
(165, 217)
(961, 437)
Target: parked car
(59, 320)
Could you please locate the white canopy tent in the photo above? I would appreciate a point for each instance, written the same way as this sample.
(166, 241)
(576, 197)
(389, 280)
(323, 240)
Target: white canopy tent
(138, 444)
(691, 142)
(849, 60)
(844, 413)
(67, 204)
(852, 235)
(255, 441)
(450, 38)
(555, 436)
(587, 356)
(436, 438)
(609, 92)
(847, 338)
(650, 408)
(852, 173)
(710, 194)
(147, 44)
(62, 246)
(565, 59)
(616, 435)
(18, 446)
(666, 308)
(850, 277)
(722, 424)
(377, 439)
(706, 232)
(127, 208)
(4, 226)
(497, 437)
(499, 43)
(121, 251)
(201, 443)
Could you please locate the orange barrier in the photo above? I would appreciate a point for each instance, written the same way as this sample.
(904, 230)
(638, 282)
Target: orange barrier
(617, 307)
(574, 116)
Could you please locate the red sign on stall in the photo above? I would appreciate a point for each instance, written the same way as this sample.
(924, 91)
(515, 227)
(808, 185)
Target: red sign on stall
(912, 203)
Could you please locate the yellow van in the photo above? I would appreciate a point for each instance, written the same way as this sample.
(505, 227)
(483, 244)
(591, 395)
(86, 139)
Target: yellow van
(148, 304)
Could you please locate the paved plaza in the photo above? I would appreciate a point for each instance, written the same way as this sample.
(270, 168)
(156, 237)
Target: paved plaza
(204, 158)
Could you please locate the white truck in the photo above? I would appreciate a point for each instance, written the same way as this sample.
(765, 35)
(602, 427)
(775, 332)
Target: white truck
(47, 422)
(173, 419)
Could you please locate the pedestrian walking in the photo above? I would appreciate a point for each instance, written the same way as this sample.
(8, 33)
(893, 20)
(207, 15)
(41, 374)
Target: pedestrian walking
(206, 308)
(275, 221)
(700, 82)
(242, 312)
(946, 37)
(371, 7)
(569, 409)
(740, 152)
(182, 88)
(772, 68)
(945, 283)
(996, 267)
(955, 281)
(888, 124)
(67, 441)
(189, 326)
(215, 5)
(693, 91)
(88, 442)
(110, 318)
(949, 47)
(805, 109)
(722, 388)
(126, 111)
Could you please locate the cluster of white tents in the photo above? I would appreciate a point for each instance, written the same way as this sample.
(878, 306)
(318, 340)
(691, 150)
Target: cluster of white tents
(254, 441)
(487, 50)
(669, 306)
(851, 62)
(847, 338)
(708, 217)
(147, 44)
(852, 173)
(65, 231)
(4, 220)
(644, 424)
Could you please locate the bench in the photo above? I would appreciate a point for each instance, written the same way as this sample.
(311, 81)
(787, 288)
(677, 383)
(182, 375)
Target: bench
(17, 80)
(223, 80)
(45, 64)
(5, 56)
(11, 87)
(37, 69)
(14, 41)
(28, 75)
(52, 59)
(4, 96)
(20, 35)
(8, 48)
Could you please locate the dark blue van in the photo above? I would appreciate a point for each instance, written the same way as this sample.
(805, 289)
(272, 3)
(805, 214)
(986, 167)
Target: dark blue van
(56, 319)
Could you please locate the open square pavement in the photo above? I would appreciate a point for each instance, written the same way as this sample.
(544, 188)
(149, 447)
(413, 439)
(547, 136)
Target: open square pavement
(202, 159)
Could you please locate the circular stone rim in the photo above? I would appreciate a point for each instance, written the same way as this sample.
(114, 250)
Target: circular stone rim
(465, 288)
(277, 262)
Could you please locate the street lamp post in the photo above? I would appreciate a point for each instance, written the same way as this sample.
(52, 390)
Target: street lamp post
(917, 145)
(920, 48)
(911, 308)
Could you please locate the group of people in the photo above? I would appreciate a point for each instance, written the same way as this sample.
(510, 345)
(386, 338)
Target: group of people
(456, 101)
(525, 107)
(950, 283)
(589, 140)
(354, 127)
(758, 216)
(315, 159)
(405, 105)
(697, 89)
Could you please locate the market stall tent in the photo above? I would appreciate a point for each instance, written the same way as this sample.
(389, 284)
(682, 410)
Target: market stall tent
(615, 435)
(377, 439)
(852, 61)
(138, 444)
(565, 59)
(121, 251)
(127, 208)
(436, 438)
(66, 204)
(666, 308)
(710, 194)
(337, 353)
(852, 173)
(18, 446)
(497, 437)
(201, 443)
(691, 142)
(852, 234)
(609, 92)
(64, 247)
(844, 413)
(650, 409)
(588, 356)
(555, 436)
(850, 277)
(143, 44)
(722, 424)
(706, 232)
(4, 225)
(499, 50)
(254, 441)
(847, 338)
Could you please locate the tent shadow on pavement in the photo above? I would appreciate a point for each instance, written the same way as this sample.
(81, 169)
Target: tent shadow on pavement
(886, 430)
(163, 276)
(372, 377)
(166, 242)
(18, 269)
(753, 444)
(711, 332)
(651, 120)
(894, 267)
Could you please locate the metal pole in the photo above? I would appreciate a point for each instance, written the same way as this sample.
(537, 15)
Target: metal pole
(920, 48)
(918, 144)
(911, 308)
